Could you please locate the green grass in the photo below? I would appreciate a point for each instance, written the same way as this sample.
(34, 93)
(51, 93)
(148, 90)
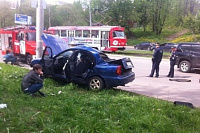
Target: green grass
(77, 109)
(148, 36)
(141, 53)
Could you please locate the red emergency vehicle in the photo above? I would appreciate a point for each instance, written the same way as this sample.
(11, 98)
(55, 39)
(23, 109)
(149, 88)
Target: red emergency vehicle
(21, 40)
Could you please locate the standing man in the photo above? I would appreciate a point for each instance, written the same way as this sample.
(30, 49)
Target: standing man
(172, 59)
(156, 59)
(33, 81)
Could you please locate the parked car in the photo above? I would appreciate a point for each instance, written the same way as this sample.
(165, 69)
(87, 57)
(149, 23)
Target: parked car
(188, 56)
(144, 46)
(85, 65)
(166, 47)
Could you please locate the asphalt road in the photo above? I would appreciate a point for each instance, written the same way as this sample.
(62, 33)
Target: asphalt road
(162, 87)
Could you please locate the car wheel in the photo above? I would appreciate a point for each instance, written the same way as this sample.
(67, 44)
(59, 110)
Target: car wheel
(185, 66)
(96, 83)
(136, 48)
(28, 59)
(149, 48)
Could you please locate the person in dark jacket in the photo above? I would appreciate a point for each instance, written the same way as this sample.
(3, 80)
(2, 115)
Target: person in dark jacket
(156, 59)
(33, 81)
(172, 59)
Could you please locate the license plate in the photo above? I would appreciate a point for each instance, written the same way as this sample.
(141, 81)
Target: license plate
(129, 64)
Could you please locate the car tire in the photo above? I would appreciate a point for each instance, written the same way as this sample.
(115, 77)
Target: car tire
(28, 59)
(96, 83)
(185, 66)
(149, 48)
(136, 48)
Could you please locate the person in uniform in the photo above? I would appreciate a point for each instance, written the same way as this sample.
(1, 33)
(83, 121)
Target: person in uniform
(172, 59)
(156, 59)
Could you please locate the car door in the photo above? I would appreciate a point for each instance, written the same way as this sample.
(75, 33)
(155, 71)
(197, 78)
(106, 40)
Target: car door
(146, 45)
(47, 61)
(70, 67)
(79, 68)
(60, 62)
(195, 55)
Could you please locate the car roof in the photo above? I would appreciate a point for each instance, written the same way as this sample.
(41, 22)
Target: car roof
(95, 52)
(86, 48)
(189, 43)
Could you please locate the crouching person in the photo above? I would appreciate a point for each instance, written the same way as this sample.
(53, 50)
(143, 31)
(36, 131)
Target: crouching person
(33, 81)
(9, 57)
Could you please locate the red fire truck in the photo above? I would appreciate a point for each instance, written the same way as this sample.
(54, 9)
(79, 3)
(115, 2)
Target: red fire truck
(21, 40)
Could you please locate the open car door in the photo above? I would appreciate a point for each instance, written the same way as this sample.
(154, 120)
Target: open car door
(47, 61)
(80, 66)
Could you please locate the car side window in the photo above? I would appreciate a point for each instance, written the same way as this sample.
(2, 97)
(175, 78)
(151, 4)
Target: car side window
(185, 47)
(63, 57)
(66, 54)
(196, 48)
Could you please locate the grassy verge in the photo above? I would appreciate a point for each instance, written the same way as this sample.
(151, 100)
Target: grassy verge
(141, 53)
(78, 110)
(148, 36)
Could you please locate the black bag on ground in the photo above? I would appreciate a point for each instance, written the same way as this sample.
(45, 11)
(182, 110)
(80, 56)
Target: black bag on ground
(184, 104)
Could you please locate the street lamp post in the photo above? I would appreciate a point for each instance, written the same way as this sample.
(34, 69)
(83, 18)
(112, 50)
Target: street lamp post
(39, 28)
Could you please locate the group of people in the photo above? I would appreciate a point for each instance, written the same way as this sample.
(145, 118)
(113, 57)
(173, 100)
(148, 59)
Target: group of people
(156, 59)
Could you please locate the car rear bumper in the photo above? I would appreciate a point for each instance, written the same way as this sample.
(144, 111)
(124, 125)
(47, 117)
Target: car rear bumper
(120, 80)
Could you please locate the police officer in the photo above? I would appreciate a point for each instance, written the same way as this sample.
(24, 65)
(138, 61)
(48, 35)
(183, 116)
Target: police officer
(172, 59)
(156, 59)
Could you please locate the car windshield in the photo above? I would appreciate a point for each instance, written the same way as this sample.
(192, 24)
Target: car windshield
(118, 34)
(31, 36)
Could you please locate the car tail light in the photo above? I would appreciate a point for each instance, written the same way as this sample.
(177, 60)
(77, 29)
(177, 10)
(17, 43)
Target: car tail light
(119, 70)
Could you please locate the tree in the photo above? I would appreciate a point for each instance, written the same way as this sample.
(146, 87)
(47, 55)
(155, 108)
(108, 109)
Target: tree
(160, 10)
(142, 9)
(192, 23)
(6, 14)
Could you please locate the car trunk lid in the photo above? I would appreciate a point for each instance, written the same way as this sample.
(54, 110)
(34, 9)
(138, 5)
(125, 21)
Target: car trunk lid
(125, 63)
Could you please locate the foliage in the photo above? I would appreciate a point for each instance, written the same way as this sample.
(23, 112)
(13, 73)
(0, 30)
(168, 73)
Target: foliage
(153, 15)
(6, 14)
(78, 110)
(141, 53)
(149, 36)
(186, 38)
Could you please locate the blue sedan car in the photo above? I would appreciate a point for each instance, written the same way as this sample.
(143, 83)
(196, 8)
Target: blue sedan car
(85, 65)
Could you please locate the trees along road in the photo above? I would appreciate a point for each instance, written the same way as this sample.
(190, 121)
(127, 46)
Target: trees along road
(161, 87)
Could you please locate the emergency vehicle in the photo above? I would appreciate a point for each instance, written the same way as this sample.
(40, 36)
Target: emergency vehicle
(21, 40)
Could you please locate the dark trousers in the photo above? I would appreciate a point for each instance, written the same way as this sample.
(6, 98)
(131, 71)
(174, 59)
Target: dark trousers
(33, 88)
(171, 71)
(155, 67)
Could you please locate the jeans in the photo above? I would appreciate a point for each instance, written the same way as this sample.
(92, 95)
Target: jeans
(34, 88)
(9, 58)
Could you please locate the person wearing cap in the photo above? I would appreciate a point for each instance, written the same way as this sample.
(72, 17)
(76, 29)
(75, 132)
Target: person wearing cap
(156, 59)
(172, 59)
